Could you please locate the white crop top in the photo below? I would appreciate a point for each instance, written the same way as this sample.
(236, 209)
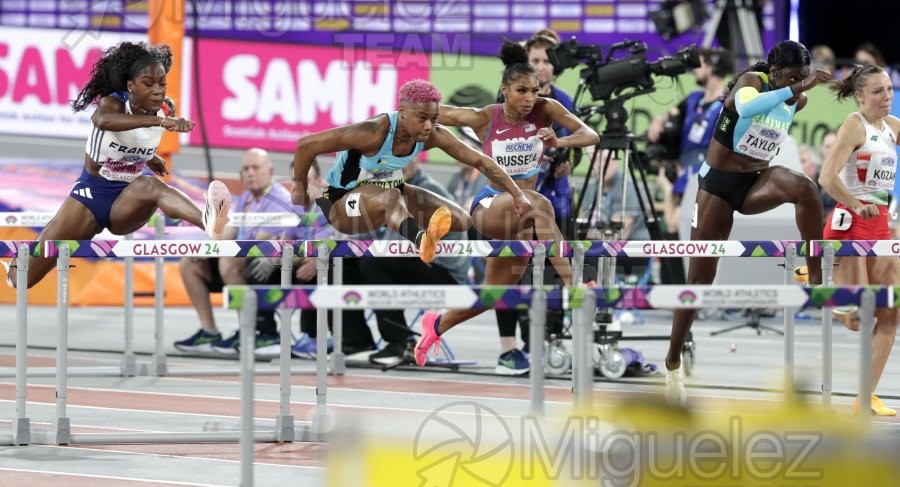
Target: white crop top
(869, 172)
(123, 155)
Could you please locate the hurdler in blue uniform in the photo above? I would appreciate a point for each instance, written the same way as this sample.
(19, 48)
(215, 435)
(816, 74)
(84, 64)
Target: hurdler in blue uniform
(756, 116)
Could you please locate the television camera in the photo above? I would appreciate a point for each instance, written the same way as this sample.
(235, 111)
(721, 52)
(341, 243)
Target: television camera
(605, 77)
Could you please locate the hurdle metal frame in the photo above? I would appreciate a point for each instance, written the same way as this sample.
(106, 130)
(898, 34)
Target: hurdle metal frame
(286, 429)
(158, 363)
(248, 300)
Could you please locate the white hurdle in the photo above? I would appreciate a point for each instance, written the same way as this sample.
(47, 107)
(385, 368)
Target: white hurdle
(536, 330)
(334, 297)
(21, 426)
(827, 347)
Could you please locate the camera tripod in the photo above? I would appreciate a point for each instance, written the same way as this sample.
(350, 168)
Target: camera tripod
(753, 315)
(614, 138)
(743, 30)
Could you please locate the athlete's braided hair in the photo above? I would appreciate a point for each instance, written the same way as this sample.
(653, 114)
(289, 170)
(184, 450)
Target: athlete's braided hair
(785, 54)
(116, 66)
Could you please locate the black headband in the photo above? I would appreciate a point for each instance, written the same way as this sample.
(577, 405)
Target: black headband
(141, 63)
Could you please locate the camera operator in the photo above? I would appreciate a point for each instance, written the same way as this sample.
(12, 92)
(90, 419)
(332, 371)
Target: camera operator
(683, 133)
(695, 116)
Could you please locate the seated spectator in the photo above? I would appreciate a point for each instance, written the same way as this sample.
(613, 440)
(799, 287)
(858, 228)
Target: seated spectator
(203, 276)
(822, 57)
(810, 161)
(357, 336)
(868, 53)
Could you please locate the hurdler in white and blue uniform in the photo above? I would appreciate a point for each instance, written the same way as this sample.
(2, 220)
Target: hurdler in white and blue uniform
(128, 87)
(756, 116)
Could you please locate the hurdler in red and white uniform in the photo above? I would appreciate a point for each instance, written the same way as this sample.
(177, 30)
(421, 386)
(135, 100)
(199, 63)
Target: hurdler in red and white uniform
(869, 175)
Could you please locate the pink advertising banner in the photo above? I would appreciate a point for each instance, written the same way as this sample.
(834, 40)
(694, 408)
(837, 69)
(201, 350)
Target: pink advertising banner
(270, 95)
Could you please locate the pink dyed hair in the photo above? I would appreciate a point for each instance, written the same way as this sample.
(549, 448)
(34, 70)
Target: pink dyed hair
(420, 91)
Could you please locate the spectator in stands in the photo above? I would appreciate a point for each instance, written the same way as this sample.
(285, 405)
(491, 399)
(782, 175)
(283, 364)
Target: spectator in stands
(357, 336)
(810, 161)
(202, 276)
(868, 53)
(822, 57)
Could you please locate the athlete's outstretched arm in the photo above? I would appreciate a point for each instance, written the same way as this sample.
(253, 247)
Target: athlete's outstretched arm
(464, 116)
(580, 135)
(443, 139)
(359, 135)
(110, 116)
(748, 101)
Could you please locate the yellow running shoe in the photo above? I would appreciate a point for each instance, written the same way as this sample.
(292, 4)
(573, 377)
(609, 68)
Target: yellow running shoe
(438, 226)
(801, 274)
(878, 407)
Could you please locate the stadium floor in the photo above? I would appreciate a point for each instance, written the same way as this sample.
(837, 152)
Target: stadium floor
(190, 398)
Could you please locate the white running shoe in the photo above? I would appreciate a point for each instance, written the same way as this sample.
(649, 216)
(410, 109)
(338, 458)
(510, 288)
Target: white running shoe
(848, 316)
(6, 266)
(215, 215)
(846, 312)
(675, 393)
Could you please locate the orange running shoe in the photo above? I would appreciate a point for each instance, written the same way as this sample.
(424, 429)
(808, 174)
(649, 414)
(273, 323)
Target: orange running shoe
(438, 226)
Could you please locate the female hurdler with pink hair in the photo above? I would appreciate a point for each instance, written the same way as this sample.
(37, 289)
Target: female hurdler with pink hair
(366, 189)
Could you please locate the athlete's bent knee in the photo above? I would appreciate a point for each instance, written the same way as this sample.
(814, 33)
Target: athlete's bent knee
(149, 186)
(807, 192)
(539, 202)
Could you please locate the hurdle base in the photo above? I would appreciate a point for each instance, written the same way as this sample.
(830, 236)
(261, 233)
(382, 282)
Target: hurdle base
(284, 428)
(166, 437)
(322, 423)
(129, 365)
(157, 366)
(338, 363)
(75, 371)
(302, 430)
(21, 431)
(59, 433)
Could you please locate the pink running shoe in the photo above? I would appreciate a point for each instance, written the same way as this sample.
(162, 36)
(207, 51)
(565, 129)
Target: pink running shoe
(215, 216)
(428, 338)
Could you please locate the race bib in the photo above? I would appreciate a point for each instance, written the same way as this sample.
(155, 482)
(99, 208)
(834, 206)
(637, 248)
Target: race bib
(121, 171)
(383, 179)
(518, 157)
(881, 172)
(841, 219)
(351, 206)
(761, 142)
